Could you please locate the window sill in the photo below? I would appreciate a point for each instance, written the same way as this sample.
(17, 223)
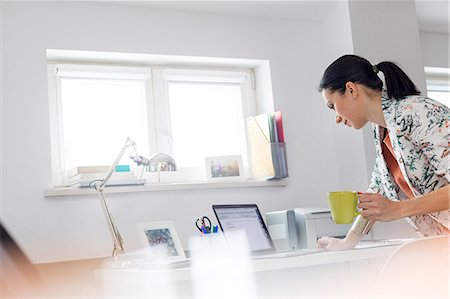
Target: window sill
(151, 187)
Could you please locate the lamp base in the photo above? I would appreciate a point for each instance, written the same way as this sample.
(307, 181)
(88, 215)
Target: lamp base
(124, 261)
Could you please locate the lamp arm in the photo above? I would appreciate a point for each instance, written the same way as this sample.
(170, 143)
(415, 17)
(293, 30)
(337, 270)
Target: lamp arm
(154, 164)
(117, 238)
(128, 142)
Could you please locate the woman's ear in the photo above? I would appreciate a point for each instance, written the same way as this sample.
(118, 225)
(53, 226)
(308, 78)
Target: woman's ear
(352, 89)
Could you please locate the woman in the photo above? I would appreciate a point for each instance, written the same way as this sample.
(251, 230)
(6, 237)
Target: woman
(412, 137)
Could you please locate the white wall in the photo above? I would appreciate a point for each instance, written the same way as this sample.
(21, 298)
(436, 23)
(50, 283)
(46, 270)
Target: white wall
(52, 229)
(2, 168)
(349, 160)
(435, 49)
(388, 32)
(73, 227)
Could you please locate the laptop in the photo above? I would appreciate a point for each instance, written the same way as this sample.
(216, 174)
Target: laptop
(246, 217)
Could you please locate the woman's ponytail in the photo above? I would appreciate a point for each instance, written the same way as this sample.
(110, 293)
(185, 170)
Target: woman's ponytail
(398, 84)
(359, 70)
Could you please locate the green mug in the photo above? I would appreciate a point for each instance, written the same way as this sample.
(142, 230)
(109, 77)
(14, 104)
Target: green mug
(343, 206)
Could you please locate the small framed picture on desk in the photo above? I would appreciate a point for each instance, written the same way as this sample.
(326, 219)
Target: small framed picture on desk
(160, 241)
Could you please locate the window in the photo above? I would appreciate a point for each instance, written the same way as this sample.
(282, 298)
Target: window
(207, 113)
(98, 112)
(438, 84)
(188, 112)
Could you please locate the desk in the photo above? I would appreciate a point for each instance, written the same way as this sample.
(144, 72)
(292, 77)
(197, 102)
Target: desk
(325, 274)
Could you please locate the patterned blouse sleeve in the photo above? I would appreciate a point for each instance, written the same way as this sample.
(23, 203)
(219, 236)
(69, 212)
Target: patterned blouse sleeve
(375, 181)
(432, 136)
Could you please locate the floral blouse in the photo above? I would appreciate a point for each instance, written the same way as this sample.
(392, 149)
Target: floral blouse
(419, 129)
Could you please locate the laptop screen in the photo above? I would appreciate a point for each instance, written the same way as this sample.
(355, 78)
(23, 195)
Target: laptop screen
(246, 218)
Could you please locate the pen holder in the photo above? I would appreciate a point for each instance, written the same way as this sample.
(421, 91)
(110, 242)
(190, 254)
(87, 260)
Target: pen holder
(214, 230)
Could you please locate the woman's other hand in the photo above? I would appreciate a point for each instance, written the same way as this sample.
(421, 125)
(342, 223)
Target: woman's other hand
(333, 244)
(346, 243)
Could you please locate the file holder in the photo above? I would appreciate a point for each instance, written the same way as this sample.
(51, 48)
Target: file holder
(279, 161)
(268, 158)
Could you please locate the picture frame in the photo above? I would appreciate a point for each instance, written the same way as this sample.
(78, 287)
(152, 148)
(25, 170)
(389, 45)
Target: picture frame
(224, 168)
(160, 240)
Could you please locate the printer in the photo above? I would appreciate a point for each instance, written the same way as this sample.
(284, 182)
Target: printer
(301, 227)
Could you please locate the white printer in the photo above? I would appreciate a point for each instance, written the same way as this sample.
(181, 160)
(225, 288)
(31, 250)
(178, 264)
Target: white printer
(302, 227)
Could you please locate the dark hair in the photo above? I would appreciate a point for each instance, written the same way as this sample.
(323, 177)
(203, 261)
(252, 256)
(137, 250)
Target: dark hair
(353, 68)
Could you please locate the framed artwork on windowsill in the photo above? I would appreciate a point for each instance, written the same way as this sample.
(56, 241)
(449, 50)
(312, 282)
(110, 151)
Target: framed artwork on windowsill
(160, 241)
(224, 168)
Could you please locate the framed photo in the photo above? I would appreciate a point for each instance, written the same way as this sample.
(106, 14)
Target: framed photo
(224, 168)
(160, 240)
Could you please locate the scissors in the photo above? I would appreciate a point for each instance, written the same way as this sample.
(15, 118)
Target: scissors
(203, 224)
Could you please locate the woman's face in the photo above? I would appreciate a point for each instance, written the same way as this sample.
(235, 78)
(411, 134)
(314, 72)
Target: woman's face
(347, 106)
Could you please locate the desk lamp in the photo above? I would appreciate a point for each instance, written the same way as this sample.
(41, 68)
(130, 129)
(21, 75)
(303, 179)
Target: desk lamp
(159, 162)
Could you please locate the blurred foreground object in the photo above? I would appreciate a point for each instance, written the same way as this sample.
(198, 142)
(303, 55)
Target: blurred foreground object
(18, 276)
(417, 269)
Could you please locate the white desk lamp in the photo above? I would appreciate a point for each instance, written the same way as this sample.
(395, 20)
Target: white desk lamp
(159, 162)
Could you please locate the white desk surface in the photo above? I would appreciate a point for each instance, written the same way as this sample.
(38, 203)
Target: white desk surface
(321, 258)
(181, 273)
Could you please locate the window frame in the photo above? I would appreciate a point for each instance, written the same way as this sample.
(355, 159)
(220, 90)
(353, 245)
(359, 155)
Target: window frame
(162, 103)
(158, 114)
(438, 80)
